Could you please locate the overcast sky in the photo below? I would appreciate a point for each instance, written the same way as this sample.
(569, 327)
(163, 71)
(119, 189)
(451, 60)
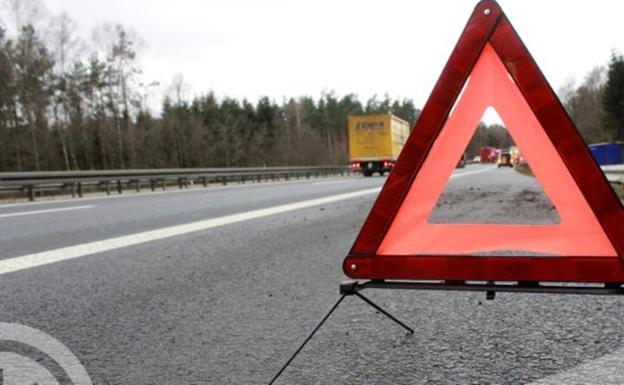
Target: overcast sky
(250, 48)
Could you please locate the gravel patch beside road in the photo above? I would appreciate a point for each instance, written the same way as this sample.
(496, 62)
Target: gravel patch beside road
(503, 196)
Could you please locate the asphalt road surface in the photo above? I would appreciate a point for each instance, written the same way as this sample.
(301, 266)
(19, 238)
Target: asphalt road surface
(220, 285)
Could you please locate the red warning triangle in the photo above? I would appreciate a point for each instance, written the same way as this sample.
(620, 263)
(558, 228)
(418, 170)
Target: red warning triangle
(578, 232)
(490, 67)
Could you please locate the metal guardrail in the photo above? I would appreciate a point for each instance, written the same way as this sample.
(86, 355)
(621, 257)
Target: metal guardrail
(614, 173)
(75, 182)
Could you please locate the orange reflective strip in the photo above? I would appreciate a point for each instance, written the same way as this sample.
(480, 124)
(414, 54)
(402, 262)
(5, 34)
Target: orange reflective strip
(578, 233)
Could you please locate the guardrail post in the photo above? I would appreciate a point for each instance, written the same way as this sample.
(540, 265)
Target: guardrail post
(107, 184)
(31, 192)
(152, 184)
(164, 184)
(79, 189)
(138, 185)
(119, 187)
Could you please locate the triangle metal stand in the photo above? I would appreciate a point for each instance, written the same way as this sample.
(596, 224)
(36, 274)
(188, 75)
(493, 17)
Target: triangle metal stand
(348, 288)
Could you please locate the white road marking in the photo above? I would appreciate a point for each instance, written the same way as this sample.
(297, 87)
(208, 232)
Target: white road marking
(335, 181)
(605, 370)
(14, 264)
(486, 169)
(23, 262)
(454, 175)
(35, 212)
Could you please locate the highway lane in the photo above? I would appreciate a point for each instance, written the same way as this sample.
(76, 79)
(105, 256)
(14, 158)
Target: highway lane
(130, 214)
(29, 229)
(229, 304)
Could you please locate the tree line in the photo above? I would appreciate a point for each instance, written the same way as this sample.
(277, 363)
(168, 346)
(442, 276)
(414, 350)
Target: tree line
(64, 111)
(492, 135)
(70, 105)
(597, 104)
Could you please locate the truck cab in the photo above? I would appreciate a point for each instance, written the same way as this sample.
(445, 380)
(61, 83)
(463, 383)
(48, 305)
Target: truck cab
(505, 160)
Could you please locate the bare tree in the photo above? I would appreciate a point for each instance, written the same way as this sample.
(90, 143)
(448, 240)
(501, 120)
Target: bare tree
(63, 42)
(66, 48)
(584, 104)
(178, 90)
(119, 47)
(21, 13)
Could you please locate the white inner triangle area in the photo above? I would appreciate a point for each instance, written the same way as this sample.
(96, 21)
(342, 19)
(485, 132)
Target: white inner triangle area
(577, 234)
(490, 116)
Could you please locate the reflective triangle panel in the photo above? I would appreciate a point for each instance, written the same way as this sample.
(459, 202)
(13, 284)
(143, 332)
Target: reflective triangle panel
(579, 232)
(490, 67)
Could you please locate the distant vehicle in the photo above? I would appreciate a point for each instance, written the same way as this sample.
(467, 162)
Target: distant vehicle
(375, 142)
(608, 153)
(488, 155)
(504, 160)
(515, 155)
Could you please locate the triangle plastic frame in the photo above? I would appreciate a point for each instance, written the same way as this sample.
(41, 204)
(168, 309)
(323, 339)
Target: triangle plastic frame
(489, 25)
